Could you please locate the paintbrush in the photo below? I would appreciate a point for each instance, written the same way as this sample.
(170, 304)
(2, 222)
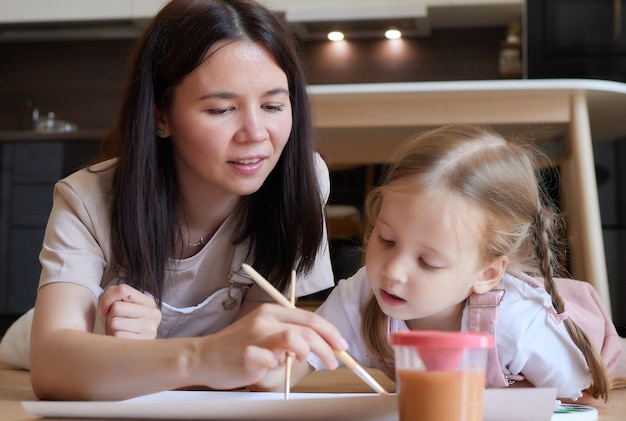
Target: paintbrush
(343, 356)
(289, 359)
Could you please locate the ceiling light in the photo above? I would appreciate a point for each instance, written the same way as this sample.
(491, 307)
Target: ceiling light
(335, 36)
(393, 34)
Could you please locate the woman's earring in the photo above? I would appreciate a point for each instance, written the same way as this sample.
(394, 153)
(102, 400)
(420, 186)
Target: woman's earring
(160, 132)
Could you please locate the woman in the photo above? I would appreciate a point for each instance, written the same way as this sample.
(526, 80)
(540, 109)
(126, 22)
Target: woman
(213, 166)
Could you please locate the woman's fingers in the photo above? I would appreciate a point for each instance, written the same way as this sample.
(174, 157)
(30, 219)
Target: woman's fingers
(129, 313)
(130, 320)
(257, 357)
(299, 331)
(124, 293)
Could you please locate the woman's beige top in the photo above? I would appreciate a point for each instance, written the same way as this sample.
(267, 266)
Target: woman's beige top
(202, 292)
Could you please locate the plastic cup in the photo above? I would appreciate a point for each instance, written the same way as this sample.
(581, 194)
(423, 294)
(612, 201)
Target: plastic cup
(440, 376)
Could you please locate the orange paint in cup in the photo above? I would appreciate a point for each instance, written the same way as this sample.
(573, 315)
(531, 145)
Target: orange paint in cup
(440, 375)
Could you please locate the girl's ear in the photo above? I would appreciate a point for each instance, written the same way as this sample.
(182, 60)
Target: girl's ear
(491, 275)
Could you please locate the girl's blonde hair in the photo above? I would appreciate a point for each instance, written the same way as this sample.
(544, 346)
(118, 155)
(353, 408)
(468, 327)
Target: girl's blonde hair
(502, 178)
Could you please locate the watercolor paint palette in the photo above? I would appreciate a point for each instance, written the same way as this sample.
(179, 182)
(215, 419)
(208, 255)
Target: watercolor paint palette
(574, 412)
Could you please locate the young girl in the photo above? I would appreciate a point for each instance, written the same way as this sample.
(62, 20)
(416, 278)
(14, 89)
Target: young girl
(211, 164)
(458, 221)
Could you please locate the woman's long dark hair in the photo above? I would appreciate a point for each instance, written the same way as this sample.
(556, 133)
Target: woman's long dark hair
(283, 220)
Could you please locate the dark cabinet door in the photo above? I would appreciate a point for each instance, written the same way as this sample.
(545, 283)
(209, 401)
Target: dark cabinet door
(27, 176)
(584, 27)
(28, 172)
(576, 38)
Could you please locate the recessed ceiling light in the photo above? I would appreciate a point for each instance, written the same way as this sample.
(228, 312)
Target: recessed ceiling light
(393, 34)
(335, 36)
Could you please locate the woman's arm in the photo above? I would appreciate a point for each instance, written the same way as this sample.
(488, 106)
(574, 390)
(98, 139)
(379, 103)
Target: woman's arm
(70, 362)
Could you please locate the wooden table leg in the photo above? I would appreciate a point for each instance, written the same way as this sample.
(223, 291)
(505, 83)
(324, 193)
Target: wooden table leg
(582, 201)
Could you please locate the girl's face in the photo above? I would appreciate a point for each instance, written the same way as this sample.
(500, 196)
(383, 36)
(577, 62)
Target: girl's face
(424, 257)
(229, 121)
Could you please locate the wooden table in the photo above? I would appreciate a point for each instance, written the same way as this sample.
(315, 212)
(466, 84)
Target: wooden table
(15, 387)
(364, 123)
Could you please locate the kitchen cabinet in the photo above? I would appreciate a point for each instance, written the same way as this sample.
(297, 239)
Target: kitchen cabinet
(28, 174)
(356, 5)
(29, 170)
(581, 39)
(332, 10)
(141, 9)
(38, 11)
(21, 11)
(482, 2)
(33, 11)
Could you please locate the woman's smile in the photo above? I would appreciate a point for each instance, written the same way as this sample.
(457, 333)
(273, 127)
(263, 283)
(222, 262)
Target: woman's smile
(248, 166)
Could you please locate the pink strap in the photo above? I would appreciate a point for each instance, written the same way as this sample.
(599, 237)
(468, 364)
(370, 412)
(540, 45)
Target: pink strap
(483, 315)
(536, 284)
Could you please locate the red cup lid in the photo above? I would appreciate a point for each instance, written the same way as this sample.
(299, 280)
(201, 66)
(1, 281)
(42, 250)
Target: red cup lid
(442, 339)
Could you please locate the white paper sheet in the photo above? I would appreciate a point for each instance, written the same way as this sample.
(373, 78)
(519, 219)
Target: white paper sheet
(536, 404)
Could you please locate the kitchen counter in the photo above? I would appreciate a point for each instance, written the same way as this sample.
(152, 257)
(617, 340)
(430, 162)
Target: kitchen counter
(364, 124)
(33, 136)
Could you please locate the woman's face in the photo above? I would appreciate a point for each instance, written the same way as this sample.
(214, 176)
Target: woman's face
(229, 121)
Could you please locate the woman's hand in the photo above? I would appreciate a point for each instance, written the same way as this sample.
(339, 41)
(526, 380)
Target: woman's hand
(245, 352)
(129, 313)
